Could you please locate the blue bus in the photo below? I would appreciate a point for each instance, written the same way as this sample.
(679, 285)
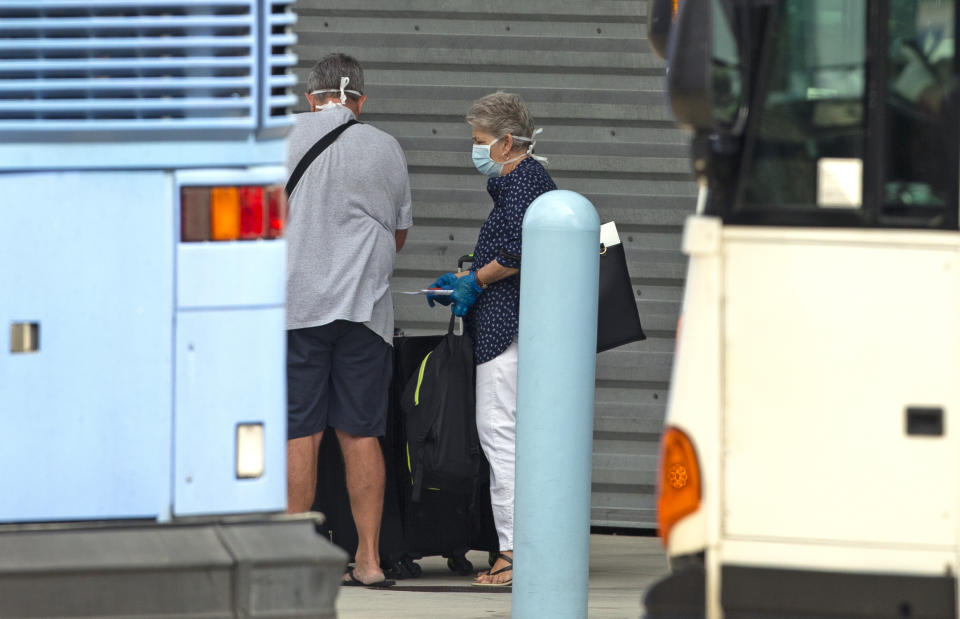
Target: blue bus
(142, 348)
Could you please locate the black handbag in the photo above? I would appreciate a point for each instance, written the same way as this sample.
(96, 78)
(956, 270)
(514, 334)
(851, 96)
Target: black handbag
(618, 321)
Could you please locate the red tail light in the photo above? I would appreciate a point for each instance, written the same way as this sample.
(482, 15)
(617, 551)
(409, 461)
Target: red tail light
(276, 211)
(230, 213)
(251, 212)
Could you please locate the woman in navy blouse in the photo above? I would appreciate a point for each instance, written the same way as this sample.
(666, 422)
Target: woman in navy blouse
(489, 295)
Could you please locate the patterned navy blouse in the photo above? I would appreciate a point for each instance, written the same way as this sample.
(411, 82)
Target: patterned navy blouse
(493, 319)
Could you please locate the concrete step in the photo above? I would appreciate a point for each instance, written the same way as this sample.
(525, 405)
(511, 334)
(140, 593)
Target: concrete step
(267, 568)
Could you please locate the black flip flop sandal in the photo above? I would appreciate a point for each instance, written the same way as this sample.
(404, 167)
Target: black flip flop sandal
(508, 568)
(355, 582)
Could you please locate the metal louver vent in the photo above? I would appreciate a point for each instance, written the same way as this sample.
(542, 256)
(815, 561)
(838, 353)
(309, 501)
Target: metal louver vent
(114, 65)
(277, 40)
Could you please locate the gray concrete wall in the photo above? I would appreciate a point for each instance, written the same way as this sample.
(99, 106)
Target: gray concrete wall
(593, 84)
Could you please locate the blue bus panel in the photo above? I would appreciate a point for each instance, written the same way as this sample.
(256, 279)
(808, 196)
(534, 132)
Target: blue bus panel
(87, 417)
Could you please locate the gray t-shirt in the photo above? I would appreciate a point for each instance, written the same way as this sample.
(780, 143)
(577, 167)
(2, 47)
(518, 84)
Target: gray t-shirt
(341, 223)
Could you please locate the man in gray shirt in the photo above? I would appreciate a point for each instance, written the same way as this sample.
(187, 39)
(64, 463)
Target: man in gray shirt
(348, 216)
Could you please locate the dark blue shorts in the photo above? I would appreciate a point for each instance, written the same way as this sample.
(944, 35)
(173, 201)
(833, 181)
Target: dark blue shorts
(338, 376)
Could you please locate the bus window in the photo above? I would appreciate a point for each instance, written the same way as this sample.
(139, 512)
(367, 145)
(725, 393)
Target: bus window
(920, 168)
(809, 144)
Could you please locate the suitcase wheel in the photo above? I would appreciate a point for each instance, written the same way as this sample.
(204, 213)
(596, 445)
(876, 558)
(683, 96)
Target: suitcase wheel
(412, 568)
(404, 568)
(459, 564)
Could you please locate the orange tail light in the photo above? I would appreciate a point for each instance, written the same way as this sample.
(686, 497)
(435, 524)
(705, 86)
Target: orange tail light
(678, 484)
(225, 213)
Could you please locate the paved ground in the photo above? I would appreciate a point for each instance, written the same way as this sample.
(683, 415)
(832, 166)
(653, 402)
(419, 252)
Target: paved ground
(620, 568)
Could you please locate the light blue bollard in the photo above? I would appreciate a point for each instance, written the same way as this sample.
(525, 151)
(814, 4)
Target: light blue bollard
(557, 362)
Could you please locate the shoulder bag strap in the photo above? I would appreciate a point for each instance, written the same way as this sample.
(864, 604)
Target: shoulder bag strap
(315, 151)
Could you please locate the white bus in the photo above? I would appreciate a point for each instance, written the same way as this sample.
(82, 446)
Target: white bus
(809, 463)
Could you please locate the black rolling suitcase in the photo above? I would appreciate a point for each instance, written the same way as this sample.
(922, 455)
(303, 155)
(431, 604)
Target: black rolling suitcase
(440, 523)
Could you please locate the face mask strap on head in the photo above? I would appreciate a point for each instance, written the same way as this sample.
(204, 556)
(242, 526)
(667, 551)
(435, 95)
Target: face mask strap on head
(343, 94)
(533, 143)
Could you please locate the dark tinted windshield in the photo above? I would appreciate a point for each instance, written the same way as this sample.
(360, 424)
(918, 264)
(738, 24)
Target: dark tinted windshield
(809, 146)
(833, 136)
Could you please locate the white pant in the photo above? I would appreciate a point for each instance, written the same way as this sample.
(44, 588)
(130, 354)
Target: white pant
(497, 427)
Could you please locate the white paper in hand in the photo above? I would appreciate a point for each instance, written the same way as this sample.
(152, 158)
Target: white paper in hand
(440, 292)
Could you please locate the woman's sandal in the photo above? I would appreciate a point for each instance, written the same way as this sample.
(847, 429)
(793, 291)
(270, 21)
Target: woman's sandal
(507, 568)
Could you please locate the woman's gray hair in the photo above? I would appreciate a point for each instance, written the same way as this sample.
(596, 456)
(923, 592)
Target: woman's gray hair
(326, 74)
(501, 113)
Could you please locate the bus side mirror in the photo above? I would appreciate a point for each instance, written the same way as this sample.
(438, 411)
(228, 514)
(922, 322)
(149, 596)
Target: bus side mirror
(659, 18)
(690, 62)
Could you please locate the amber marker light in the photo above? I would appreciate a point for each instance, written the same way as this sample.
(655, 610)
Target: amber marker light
(225, 213)
(678, 483)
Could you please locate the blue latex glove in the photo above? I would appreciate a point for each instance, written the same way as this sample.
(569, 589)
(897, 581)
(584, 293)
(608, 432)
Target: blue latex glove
(465, 292)
(446, 282)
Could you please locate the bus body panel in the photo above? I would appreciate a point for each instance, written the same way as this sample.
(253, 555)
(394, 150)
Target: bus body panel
(84, 260)
(231, 274)
(141, 151)
(230, 371)
(192, 345)
(693, 404)
(230, 362)
(776, 476)
(816, 409)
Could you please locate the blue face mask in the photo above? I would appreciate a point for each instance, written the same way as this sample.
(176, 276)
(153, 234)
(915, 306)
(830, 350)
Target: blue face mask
(488, 167)
(482, 161)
